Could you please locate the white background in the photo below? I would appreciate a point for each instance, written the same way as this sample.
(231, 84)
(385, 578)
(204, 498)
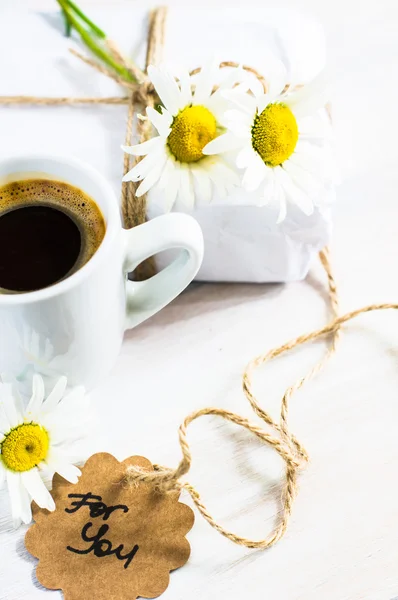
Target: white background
(343, 537)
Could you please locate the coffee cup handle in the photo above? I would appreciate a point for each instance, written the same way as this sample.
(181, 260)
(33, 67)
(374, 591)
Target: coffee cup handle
(174, 230)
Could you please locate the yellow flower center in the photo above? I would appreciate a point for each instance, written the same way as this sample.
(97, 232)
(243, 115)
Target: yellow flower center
(192, 129)
(24, 447)
(275, 134)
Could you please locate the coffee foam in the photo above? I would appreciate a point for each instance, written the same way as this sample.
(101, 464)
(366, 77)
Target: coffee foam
(62, 196)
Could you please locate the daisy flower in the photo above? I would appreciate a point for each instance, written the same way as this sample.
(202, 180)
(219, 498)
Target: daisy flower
(186, 123)
(282, 141)
(36, 439)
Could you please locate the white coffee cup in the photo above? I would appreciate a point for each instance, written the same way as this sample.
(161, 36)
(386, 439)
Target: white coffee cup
(76, 327)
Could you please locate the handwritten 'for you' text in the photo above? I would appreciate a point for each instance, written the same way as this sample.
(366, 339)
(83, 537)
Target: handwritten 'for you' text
(98, 545)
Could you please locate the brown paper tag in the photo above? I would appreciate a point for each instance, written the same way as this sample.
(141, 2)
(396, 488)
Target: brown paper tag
(107, 540)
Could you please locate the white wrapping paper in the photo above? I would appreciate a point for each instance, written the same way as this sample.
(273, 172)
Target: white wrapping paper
(242, 242)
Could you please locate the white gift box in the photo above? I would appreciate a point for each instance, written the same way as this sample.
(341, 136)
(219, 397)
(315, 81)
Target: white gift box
(242, 241)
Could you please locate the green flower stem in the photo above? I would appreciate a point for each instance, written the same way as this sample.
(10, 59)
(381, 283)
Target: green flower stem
(68, 26)
(85, 19)
(92, 44)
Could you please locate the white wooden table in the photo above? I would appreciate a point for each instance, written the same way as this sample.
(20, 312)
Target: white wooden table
(343, 536)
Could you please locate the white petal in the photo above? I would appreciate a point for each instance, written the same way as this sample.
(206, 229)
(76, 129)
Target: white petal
(145, 166)
(3, 474)
(186, 192)
(14, 490)
(204, 82)
(274, 194)
(255, 173)
(18, 402)
(241, 130)
(152, 177)
(26, 505)
(277, 77)
(217, 105)
(245, 102)
(185, 86)
(73, 406)
(144, 148)
(255, 85)
(245, 156)
(10, 416)
(166, 174)
(315, 128)
(309, 157)
(37, 398)
(303, 179)
(310, 98)
(57, 463)
(69, 472)
(295, 195)
(270, 194)
(283, 207)
(203, 184)
(269, 184)
(37, 490)
(242, 88)
(218, 183)
(264, 101)
(319, 161)
(230, 175)
(68, 429)
(172, 187)
(167, 88)
(231, 76)
(238, 116)
(223, 177)
(5, 425)
(68, 433)
(161, 121)
(279, 196)
(222, 143)
(74, 397)
(55, 395)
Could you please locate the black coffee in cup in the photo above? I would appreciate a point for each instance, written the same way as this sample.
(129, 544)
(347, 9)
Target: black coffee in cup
(48, 231)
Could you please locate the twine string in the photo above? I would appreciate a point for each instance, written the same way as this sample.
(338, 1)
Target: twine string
(137, 88)
(133, 206)
(60, 101)
(104, 70)
(167, 479)
(282, 440)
